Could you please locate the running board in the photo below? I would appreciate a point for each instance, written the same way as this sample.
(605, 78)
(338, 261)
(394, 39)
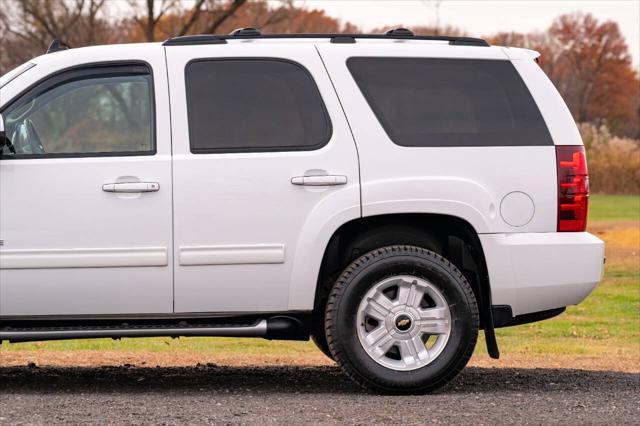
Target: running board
(281, 327)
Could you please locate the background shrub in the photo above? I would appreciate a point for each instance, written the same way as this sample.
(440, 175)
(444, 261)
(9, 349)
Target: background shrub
(614, 163)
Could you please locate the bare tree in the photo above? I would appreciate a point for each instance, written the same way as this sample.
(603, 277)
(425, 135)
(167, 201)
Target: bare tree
(168, 18)
(40, 22)
(147, 14)
(29, 26)
(194, 14)
(219, 17)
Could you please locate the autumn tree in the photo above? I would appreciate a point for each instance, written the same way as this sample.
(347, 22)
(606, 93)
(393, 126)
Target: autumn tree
(542, 42)
(29, 26)
(160, 19)
(285, 19)
(594, 71)
(443, 30)
(221, 17)
(590, 64)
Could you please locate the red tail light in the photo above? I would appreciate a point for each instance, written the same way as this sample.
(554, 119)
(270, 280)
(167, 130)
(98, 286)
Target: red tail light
(573, 188)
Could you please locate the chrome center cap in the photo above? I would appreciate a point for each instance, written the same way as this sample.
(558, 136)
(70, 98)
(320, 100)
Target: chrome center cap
(403, 323)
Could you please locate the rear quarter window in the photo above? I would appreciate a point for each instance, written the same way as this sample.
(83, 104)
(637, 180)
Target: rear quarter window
(426, 102)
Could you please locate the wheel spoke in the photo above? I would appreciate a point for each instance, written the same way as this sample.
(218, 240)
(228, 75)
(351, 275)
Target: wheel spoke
(416, 295)
(431, 314)
(375, 336)
(383, 300)
(404, 288)
(413, 351)
(382, 344)
(409, 293)
(434, 321)
(376, 310)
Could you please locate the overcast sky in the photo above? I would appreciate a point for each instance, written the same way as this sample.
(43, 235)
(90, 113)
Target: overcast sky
(480, 18)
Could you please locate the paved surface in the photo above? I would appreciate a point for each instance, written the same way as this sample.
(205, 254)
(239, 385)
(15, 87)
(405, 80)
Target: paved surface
(308, 395)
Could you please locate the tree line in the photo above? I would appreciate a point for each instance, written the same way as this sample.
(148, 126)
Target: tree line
(588, 60)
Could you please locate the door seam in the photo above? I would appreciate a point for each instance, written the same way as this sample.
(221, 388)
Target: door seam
(173, 238)
(353, 137)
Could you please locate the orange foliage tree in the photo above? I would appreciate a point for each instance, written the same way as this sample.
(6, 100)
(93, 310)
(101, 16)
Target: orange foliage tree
(596, 72)
(590, 64)
(159, 21)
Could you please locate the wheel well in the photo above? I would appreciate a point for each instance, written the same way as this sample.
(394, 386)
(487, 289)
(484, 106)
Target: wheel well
(449, 236)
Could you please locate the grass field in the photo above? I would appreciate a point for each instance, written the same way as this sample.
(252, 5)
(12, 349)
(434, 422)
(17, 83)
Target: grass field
(601, 333)
(614, 208)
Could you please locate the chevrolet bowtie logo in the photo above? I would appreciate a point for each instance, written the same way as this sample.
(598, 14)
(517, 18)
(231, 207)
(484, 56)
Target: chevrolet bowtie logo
(403, 322)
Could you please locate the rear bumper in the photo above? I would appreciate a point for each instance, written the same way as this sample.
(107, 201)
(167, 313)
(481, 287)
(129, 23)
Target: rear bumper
(533, 272)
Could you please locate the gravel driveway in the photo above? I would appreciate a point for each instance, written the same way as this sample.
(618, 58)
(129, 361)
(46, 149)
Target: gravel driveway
(208, 394)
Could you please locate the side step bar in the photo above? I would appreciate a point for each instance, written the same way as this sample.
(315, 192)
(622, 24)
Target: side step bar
(286, 328)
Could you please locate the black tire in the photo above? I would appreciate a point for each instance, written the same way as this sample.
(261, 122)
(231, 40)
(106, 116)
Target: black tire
(353, 284)
(320, 340)
(318, 334)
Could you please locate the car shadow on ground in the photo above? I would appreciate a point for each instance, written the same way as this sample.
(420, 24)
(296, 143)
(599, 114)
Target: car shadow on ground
(289, 380)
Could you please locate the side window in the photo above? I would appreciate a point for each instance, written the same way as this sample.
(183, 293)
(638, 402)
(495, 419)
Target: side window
(84, 112)
(423, 102)
(237, 105)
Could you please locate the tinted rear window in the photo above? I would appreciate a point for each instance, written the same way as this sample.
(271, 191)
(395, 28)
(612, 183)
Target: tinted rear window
(450, 102)
(253, 105)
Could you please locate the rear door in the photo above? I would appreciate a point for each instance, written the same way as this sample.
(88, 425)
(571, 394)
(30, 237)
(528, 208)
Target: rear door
(460, 127)
(85, 199)
(263, 159)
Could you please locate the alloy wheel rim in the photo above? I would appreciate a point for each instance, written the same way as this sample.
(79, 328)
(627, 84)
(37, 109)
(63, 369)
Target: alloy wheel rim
(403, 322)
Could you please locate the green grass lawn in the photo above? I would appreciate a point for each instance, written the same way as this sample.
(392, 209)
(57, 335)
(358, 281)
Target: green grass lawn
(614, 207)
(606, 324)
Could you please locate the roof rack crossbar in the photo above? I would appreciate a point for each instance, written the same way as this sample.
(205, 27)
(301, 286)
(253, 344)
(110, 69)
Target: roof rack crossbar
(221, 39)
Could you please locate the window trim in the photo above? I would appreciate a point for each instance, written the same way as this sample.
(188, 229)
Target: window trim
(86, 71)
(294, 148)
(383, 123)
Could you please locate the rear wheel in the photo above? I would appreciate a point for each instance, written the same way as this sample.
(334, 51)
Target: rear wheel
(401, 319)
(321, 342)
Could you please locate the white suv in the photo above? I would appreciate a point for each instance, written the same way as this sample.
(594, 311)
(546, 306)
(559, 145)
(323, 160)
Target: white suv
(386, 195)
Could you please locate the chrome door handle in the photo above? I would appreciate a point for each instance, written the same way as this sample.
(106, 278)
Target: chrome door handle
(324, 180)
(131, 187)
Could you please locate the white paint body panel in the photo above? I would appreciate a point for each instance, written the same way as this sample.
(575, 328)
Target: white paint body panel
(533, 272)
(231, 233)
(467, 182)
(260, 249)
(72, 249)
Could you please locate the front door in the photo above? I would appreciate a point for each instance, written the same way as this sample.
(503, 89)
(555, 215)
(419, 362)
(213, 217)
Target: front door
(85, 194)
(263, 161)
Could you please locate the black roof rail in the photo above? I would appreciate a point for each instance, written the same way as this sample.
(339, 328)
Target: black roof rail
(194, 40)
(397, 34)
(57, 45)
